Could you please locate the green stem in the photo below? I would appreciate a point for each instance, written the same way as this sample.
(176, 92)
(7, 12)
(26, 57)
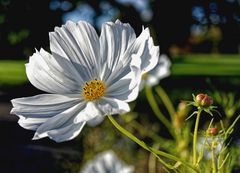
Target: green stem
(157, 111)
(166, 100)
(195, 138)
(152, 164)
(146, 147)
(214, 169)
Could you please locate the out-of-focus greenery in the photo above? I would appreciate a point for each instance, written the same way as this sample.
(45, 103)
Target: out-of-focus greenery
(12, 72)
(207, 64)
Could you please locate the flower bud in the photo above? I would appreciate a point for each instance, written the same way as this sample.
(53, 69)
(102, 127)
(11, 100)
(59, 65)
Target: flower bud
(180, 115)
(212, 131)
(203, 100)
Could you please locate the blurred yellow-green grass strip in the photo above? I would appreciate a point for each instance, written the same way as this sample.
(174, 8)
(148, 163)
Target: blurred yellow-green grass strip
(206, 64)
(12, 72)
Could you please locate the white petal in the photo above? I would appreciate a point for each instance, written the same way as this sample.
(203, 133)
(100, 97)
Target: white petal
(120, 89)
(162, 69)
(31, 123)
(104, 106)
(144, 56)
(152, 80)
(115, 39)
(119, 73)
(95, 121)
(116, 43)
(110, 106)
(33, 111)
(63, 66)
(45, 74)
(139, 58)
(165, 60)
(124, 72)
(78, 43)
(43, 104)
(126, 96)
(65, 133)
(144, 47)
(125, 78)
(107, 162)
(88, 113)
(61, 127)
(149, 56)
(127, 88)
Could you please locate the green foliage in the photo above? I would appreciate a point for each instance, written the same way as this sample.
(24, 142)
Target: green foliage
(17, 37)
(206, 64)
(12, 72)
(2, 18)
(212, 152)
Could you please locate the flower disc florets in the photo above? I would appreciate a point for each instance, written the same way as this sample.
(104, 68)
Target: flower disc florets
(93, 90)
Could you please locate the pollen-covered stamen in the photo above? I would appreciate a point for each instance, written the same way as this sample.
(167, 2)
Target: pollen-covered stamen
(94, 89)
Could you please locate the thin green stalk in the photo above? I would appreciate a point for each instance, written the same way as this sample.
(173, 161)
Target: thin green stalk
(157, 111)
(214, 168)
(231, 127)
(172, 157)
(166, 100)
(152, 164)
(195, 138)
(146, 147)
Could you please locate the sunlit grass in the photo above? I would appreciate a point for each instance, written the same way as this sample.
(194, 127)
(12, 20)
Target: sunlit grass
(205, 64)
(12, 72)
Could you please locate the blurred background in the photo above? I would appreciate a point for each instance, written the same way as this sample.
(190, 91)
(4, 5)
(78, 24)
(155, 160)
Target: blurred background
(201, 38)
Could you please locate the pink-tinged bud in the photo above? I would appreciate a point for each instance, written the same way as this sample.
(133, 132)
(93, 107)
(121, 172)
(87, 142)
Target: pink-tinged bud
(212, 131)
(203, 100)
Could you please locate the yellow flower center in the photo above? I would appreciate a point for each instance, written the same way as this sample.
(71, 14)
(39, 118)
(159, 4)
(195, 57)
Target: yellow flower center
(94, 89)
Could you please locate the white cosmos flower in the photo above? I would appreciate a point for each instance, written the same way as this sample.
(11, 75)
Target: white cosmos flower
(106, 162)
(206, 142)
(160, 71)
(87, 77)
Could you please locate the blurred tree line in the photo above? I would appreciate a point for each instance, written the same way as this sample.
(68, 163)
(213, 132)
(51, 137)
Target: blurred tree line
(178, 27)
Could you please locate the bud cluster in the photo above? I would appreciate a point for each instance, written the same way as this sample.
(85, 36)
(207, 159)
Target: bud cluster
(203, 100)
